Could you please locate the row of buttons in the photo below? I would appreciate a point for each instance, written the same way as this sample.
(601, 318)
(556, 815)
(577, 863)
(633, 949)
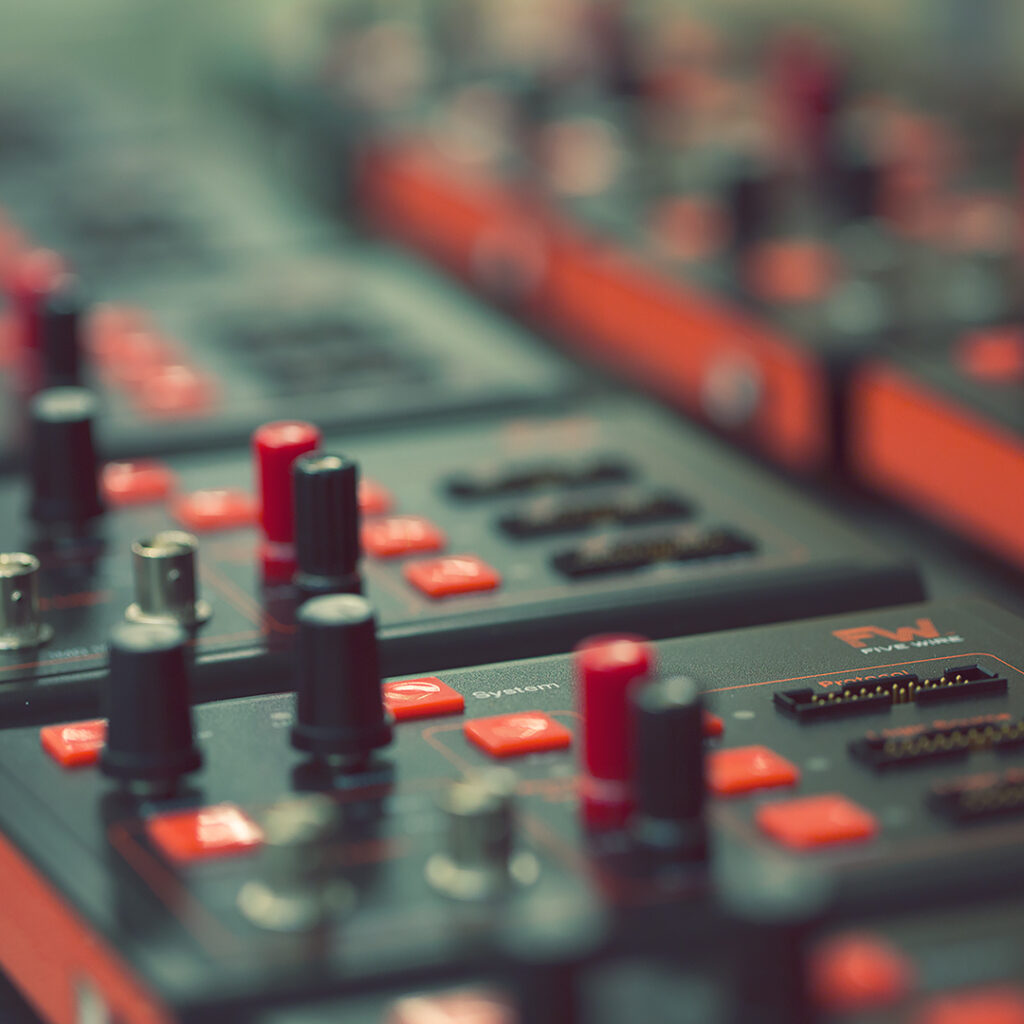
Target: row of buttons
(801, 824)
(383, 535)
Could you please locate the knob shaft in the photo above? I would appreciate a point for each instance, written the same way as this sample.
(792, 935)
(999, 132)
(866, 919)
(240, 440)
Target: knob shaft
(479, 859)
(340, 713)
(64, 468)
(326, 524)
(668, 745)
(150, 741)
(294, 890)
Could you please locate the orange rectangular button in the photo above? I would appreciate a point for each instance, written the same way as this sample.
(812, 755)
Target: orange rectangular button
(136, 483)
(374, 499)
(422, 698)
(391, 536)
(522, 732)
(743, 769)
(816, 821)
(203, 833)
(998, 1004)
(75, 744)
(215, 510)
(713, 724)
(455, 574)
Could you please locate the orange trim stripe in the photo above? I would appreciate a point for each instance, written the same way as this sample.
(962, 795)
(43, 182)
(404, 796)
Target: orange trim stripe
(49, 952)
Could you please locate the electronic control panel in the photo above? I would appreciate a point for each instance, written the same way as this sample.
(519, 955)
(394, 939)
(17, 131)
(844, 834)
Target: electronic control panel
(352, 335)
(863, 765)
(490, 538)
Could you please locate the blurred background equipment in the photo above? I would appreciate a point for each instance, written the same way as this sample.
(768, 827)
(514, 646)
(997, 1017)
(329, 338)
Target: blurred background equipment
(510, 512)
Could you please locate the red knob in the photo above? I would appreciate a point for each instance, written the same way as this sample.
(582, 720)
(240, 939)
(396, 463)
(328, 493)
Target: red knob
(607, 667)
(275, 447)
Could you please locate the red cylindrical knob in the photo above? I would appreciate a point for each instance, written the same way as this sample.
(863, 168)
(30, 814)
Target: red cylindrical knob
(275, 447)
(607, 667)
(34, 275)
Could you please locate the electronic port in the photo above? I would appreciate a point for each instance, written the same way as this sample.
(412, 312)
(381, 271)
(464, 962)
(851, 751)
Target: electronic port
(603, 555)
(893, 748)
(979, 797)
(957, 682)
(527, 478)
(548, 516)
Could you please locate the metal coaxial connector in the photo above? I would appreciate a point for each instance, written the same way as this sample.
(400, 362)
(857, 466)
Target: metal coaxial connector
(479, 860)
(164, 570)
(20, 625)
(295, 890)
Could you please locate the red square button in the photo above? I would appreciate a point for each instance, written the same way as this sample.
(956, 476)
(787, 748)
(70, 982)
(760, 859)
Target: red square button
(856, 972)
(218, 831)
(713, 725)
(75, 744)
(522, 732)
(390, 536)
(422, 698)
(215, 510)
(745, 768)
(135, 483)
(374, 499)
(995, 1005)
(455, 574)
(816, 821)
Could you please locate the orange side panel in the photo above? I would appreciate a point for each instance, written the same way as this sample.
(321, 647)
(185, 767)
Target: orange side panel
(412, 196)
(669, 338)
(48, 952)
(625, 315)
(940, 459)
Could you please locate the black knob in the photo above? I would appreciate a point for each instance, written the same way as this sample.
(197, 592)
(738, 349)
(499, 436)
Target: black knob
(340, 714)
(326, 524)
(150, 742)
(750, 195)
(61, 337)
(668, 772)
(772, 911)
(63, 467)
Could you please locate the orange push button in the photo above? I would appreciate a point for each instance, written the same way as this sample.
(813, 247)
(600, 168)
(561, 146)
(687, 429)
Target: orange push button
(391, 536)
(135, 483)
(524, 732)
(422, 698)
(996, 1005)
(467, 1006)
(713, 724)
(743, 769)
(203, 511)
(854, 973)
(456, 574)
(193, 835)
(374, 499)
(75, 744)
(816, 821)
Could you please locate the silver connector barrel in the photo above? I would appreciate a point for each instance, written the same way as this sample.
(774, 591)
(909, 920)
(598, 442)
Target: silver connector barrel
(164, 570)
(478, 859)
(20, 624)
